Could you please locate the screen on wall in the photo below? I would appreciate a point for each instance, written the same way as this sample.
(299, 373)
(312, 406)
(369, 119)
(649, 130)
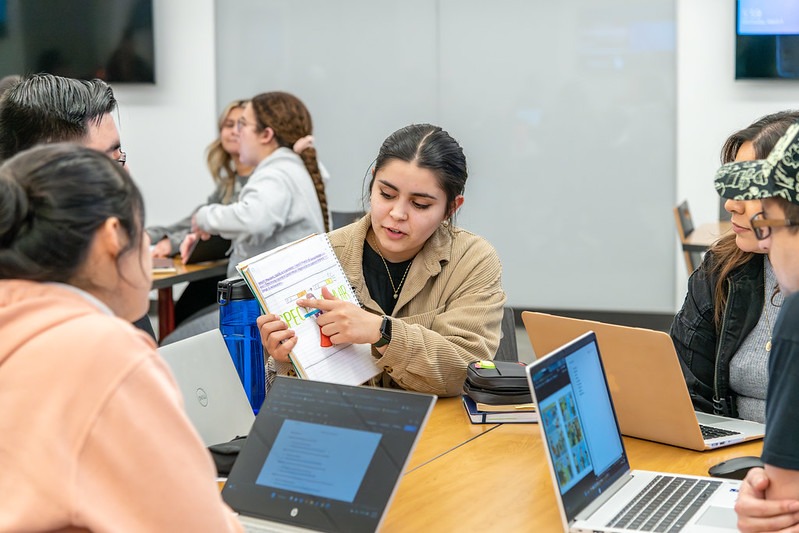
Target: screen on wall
(767, 39)
(107, 39)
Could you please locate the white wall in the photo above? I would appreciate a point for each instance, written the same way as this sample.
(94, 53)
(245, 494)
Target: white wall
(165, 127)
(565, 111)
(711, 104)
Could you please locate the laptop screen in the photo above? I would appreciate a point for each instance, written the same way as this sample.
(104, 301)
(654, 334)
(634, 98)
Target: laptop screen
(326, 456)
(577, 417)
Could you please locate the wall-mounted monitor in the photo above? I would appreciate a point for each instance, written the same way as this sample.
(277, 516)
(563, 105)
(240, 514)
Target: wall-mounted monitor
(767, 39)
(107, 39)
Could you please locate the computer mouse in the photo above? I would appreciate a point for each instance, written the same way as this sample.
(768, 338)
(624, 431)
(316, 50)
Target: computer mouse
(735, 468)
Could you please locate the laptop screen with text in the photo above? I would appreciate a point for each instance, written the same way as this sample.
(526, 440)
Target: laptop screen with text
(582, 434)
(326, 456)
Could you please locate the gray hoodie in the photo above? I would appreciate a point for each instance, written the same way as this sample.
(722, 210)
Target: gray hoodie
(277, 205)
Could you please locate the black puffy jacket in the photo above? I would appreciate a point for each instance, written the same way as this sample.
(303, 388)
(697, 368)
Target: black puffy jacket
(705, 354)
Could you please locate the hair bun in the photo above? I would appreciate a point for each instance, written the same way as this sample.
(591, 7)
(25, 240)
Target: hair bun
(14, 209)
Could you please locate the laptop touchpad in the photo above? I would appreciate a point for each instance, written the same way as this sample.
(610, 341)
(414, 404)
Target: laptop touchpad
(723, 517)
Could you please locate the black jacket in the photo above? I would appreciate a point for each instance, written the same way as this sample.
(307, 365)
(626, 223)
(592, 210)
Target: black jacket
(705, 354)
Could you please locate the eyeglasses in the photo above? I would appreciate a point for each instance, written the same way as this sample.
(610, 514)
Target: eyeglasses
(761, 226)
(241, 123)
(123, 158)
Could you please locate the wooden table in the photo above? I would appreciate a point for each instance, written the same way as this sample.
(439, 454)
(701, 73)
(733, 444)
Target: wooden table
(500, 481)
(703, 237)
(163, 282)
(448, 428)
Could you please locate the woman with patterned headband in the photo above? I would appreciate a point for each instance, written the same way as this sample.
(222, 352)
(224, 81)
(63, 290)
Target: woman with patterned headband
(723, 331)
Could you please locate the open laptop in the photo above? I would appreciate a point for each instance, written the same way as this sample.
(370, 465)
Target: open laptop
(594, 486)
(208, 250)
(213, 395)
(646, 382)
(324, 457)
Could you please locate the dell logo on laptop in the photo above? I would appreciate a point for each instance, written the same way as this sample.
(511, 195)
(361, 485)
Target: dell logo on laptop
(202, 397)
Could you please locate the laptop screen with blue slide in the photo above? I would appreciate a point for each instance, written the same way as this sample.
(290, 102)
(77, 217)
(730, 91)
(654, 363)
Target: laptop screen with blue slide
(326, 457)
(577, 416)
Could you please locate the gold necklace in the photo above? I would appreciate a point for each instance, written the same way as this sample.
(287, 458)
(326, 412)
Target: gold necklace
(768, 323)
(765, 309)
(397, 288)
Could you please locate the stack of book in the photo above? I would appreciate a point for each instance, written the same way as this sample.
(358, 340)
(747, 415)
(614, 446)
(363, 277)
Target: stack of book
(483, 413)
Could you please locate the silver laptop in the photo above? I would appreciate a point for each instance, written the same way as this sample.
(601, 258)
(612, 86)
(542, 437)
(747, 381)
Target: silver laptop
(324, 457)
(646, 383)
(595, 488)
(212, 391)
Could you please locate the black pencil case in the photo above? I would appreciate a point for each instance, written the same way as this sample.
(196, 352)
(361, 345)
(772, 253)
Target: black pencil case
(497, 383)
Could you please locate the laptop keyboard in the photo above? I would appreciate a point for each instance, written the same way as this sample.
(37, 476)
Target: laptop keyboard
(667, 503)
(710, 432)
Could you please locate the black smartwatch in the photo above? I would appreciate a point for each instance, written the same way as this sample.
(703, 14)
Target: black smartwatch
(385, 333)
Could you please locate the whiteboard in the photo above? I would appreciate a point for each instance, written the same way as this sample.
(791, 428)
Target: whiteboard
(565, 111)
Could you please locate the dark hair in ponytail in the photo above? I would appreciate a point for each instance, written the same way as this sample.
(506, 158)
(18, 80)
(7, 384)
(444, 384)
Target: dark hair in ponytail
(53, 198)
(290, 120)
(429, 147)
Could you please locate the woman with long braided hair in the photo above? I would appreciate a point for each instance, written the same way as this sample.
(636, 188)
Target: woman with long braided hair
(284, 198)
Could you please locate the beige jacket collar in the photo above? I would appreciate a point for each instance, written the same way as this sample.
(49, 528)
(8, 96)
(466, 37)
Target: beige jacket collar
(427, 263)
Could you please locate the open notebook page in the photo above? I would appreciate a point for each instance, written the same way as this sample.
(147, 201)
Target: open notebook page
(299, 270)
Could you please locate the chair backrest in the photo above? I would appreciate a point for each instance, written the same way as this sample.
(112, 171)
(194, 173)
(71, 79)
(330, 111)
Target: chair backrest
(685, 226)
(339, 219)
(507, 350)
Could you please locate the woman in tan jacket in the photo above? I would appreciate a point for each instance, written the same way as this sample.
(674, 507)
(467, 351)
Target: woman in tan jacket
(431, 292)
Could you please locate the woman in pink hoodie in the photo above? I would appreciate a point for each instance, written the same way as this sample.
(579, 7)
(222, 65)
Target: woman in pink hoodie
(94, 436)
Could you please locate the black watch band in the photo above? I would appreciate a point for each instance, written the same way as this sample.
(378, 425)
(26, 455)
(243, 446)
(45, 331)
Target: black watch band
(385, 333)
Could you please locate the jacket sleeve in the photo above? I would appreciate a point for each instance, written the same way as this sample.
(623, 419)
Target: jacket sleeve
(465, 329)
(175, 233)
(263, 207)
(694, 335)
(143, 466)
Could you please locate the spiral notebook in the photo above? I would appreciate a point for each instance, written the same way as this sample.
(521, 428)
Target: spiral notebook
(279, 277)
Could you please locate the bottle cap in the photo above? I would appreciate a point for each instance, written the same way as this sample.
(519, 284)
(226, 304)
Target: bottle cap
(234, 288)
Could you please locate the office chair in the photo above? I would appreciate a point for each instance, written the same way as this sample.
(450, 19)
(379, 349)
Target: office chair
(507, 350)
(685, 226)
(339, 219)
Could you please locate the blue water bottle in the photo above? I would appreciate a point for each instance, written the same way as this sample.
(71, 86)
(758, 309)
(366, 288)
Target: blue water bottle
(238, 310)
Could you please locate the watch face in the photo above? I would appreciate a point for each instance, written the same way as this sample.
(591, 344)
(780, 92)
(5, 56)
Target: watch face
(385, 333)
(385, 328)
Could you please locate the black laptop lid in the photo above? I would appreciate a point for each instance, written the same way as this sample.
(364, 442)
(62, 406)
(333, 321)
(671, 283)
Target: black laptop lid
(326, 456)
(208, 250)
(582, 434)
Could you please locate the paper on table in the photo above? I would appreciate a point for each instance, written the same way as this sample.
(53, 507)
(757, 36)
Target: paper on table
(299, 270)
(163, 265)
